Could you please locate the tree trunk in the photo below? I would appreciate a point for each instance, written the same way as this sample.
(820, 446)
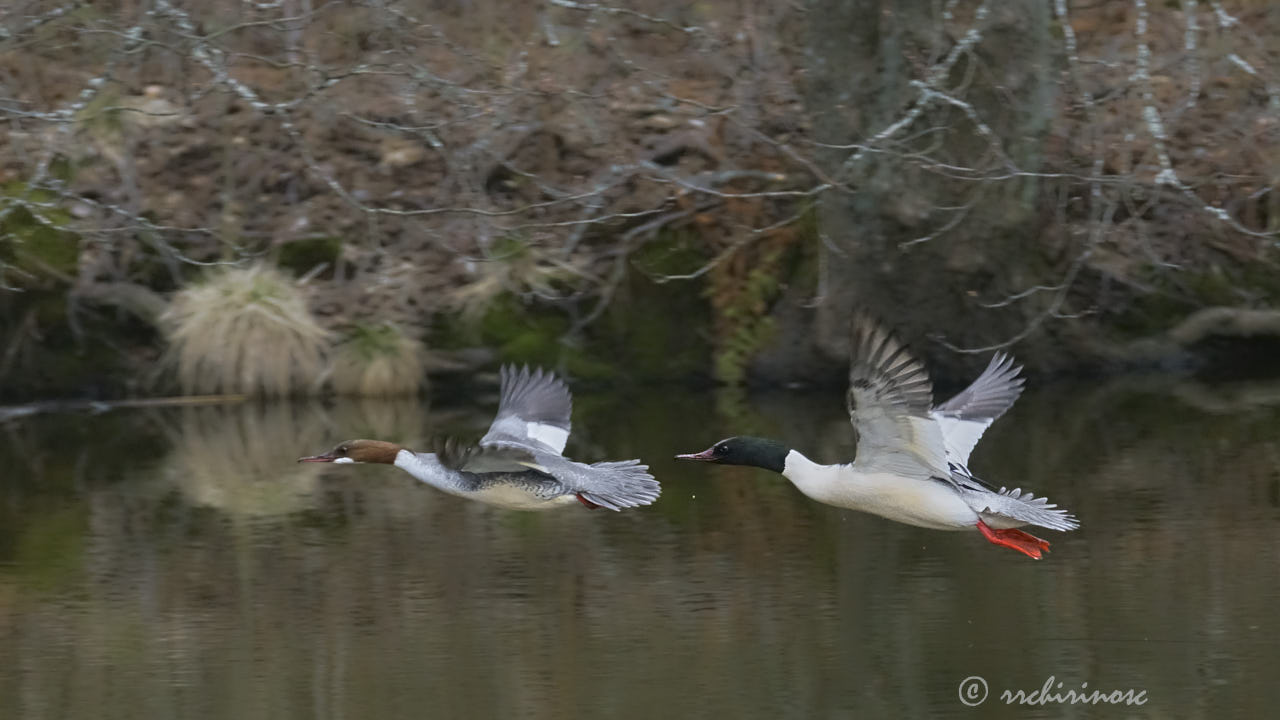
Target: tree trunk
(894, 244)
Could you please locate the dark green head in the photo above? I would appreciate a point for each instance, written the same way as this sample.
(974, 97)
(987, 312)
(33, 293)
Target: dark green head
(744, 450)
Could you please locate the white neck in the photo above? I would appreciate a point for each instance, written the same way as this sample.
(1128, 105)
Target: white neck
(816, 481)
(426, 468)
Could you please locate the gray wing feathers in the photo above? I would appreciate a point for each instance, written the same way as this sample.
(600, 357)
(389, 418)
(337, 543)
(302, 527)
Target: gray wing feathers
(494, 458)
(1024, 507)
(988, 397)
(534, 411)
(965, 417)
(529, 433)
(889, 399)
(883, 371)
(620, 484)
(614, 485)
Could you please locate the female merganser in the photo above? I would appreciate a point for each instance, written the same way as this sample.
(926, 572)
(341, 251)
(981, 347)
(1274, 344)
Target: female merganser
(911, 458)
(518, 463)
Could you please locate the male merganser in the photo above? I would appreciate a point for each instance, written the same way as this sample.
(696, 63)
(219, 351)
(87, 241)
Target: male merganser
(518, 463)
(911, 458)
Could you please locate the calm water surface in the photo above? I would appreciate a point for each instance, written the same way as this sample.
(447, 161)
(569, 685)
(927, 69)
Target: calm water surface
(170, 563)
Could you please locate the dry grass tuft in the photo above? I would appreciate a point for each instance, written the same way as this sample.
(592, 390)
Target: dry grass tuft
(378, 361)
(513, 266)
(245, 331)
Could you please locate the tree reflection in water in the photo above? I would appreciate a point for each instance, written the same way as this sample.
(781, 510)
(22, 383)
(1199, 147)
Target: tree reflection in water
(179, 563)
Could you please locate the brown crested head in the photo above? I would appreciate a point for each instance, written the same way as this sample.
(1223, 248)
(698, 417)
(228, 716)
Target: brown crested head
(358, 451)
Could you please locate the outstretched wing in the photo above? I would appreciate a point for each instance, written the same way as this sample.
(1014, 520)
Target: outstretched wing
(533, 412)
(612, 485)
(966, 416)
(480, 458)
(889, 402)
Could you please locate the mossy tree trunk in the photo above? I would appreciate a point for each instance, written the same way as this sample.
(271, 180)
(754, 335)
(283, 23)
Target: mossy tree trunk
(896, 243)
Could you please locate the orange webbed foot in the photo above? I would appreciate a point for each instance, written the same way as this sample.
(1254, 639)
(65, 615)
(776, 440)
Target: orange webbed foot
(1025, 543)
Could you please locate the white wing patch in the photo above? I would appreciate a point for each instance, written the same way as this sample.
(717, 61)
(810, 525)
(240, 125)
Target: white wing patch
(550, 435)
(533, 412)
(960, 436)
(925, 443)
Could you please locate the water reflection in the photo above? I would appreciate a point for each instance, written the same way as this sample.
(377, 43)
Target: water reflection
(241, 458)
(179, 563)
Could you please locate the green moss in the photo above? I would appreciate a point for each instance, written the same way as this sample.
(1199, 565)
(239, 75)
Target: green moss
(735, 351)
(659, 330)
(650, 331)
(519, 332)
(303, 254)
(672, 252)
(37, 244)
(742, 296)
(805, 268)
(744, 286)
(523, 333)
(55, 248)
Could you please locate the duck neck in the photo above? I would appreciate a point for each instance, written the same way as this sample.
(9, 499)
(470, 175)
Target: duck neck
(427, 468)
(809, 477)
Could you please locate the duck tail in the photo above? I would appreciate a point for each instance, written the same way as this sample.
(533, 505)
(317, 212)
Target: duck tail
(1015, 504)
(1028, 508)
(621, 484)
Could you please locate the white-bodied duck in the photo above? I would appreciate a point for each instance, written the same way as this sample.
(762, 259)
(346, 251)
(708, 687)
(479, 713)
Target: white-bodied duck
(911, 458)
(518, 463)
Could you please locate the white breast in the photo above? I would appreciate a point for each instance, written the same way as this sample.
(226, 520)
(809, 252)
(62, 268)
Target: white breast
(923, 503)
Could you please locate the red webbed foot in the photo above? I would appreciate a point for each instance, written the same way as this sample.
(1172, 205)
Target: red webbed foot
(1025, 543)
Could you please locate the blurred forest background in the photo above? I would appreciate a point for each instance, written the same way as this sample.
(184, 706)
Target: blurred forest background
(298, 196)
